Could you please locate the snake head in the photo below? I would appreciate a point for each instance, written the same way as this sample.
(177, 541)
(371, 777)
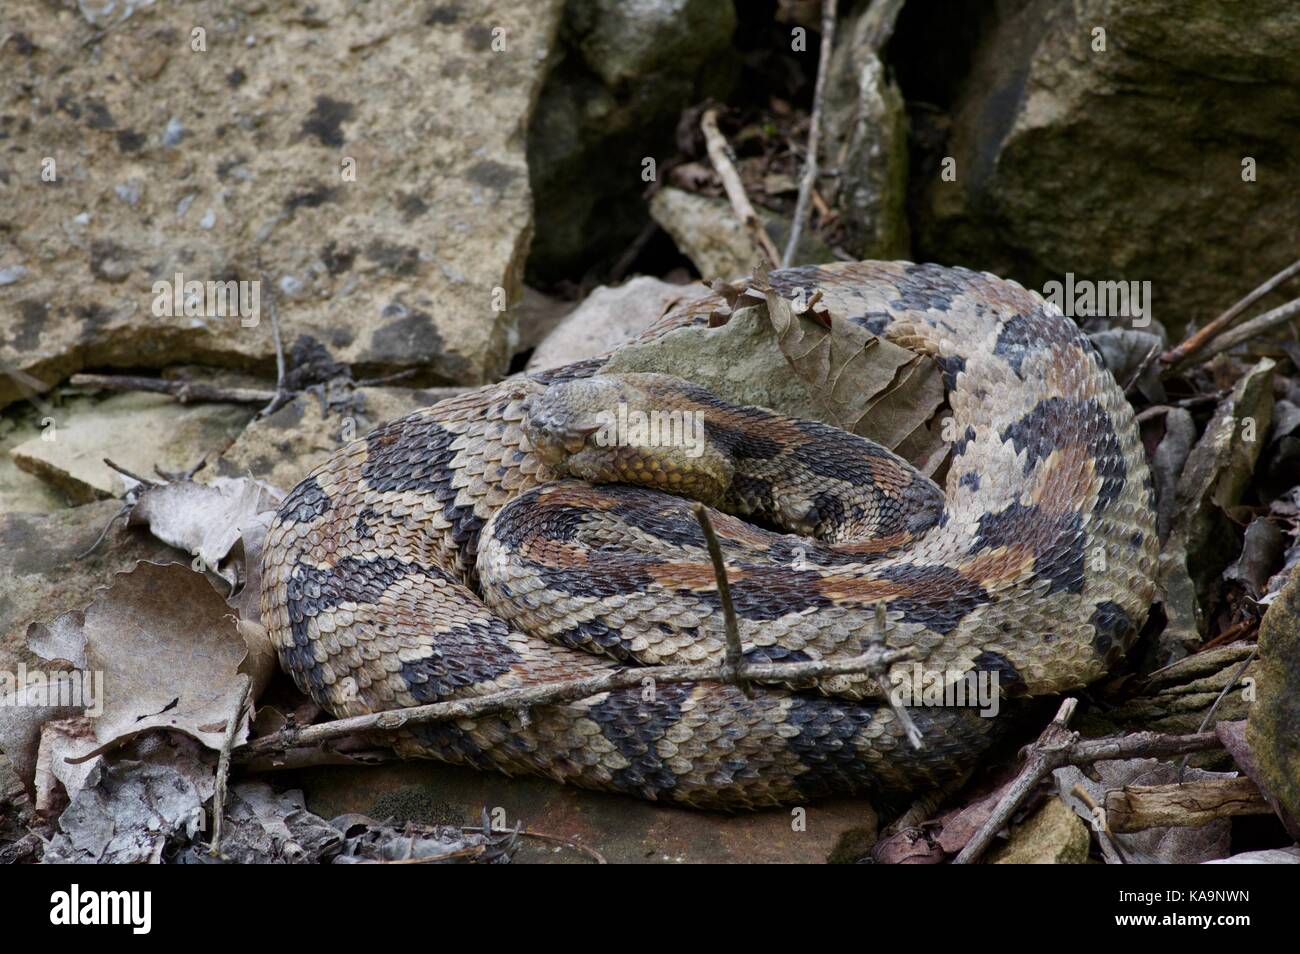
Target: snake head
(560, 421)
(636, 428)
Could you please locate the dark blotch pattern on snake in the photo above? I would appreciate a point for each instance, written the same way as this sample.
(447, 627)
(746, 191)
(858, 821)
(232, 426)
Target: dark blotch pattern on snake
(488, 543)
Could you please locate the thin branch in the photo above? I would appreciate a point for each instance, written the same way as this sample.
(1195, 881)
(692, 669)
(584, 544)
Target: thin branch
(1059, 746)
(183, 391)
(814, 135)
(1056, 736)
(723, 160)
(282, 396)
(126, 510)
(1241, 334)
(188, 391)
(874, 660)
(904, 717)
(126, 473)
(1109, 849)
(542, 836)
(1200, 339)
(223, 765)
(290, 760)
(735, 658)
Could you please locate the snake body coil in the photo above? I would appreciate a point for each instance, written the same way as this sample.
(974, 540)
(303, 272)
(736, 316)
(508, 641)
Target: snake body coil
(453, 553)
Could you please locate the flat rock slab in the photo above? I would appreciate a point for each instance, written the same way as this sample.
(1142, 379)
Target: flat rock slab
(368, 161)
(21, 492)
(610, 317)
(624, 830)
(135, 430)
(284, 447)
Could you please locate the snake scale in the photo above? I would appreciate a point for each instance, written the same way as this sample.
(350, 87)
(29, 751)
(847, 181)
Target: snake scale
(490, 542)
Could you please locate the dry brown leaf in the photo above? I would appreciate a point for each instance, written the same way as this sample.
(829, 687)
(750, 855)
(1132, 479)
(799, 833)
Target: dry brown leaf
(207, 520)
(60, 638)
(57, 779)
(170, 653)
(870, 386)
(25, 709)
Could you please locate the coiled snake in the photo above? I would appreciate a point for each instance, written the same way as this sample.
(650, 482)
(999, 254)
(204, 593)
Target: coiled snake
(483, 544)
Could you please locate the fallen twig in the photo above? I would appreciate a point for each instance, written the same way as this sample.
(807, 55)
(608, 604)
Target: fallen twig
(282, 395)
(1240, 334)
(724, 164)
(874, 660)
(814, 135)
(126, 473)
(1055, 737)
(1230, 635)
(223, 765)
(1200, 339)
(904, 717)
(125, 511)
(540, 836)
(1059, 746)
(188, 391)
(183, 391)
(735, 658)
(1182, 804)
(1109, 849)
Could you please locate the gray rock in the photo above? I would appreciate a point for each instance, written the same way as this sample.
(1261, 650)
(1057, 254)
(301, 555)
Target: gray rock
(608, 318)
(136, 430)
(399, 264)
(1273, 721)
(707, 232)
(1126, 163)
(866, 136)
(625, 70)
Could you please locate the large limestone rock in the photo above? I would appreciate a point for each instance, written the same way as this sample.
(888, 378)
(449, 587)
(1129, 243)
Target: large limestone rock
(368, 160)
(1126, 163)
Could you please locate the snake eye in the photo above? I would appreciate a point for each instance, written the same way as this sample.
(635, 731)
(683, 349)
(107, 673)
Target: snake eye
(576, 439)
